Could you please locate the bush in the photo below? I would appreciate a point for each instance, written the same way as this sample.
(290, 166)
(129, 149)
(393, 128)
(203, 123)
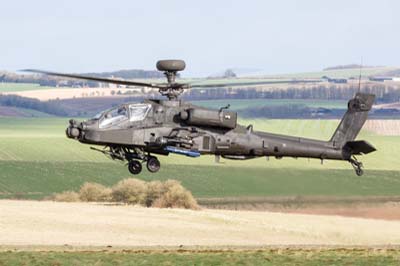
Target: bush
(131, 191)
(94, 192)
(66, 196)
(154, 190)
(168, 194)
(174, 195)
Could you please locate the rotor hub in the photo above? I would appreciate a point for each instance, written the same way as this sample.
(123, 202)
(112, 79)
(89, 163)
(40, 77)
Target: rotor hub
(172, 90)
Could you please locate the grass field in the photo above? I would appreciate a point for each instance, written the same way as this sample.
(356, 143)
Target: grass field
(10, 87)
(279, 257)
(36, 160)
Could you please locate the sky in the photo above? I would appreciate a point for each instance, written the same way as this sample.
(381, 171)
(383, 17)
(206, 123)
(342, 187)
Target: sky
(282, 36)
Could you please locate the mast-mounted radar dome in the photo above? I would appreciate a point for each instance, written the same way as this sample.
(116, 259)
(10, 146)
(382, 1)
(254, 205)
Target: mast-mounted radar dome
(171, 65)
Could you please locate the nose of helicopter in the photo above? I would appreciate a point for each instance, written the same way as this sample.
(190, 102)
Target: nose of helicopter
(73, 131)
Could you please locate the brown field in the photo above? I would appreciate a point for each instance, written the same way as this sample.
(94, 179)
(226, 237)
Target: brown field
(383, 127)
(35, 223)
(395, 105)
(70, 93)
(382, 207)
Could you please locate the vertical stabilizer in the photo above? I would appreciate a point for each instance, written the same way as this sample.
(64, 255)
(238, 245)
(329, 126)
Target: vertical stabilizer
(353, 120)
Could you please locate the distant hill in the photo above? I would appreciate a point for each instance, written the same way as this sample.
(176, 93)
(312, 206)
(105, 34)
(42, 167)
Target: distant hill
(10, 77)
(129, 74)
(392, 73)
(349, 66)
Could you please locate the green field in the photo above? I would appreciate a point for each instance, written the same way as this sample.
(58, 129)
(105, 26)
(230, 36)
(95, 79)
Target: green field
(271, 257)
(36, 160)
(11, 87)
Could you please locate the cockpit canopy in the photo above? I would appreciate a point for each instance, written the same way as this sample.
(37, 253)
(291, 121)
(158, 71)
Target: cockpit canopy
(133, 112)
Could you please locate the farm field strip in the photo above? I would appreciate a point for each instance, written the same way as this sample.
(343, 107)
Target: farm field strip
(37, 160)
(78, 224)
(21, 179)
(269, 256)
(15, 87)
(43, 139)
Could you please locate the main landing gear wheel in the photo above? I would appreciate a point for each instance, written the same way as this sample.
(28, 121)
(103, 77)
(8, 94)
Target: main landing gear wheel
(135, 167)
(153, 164)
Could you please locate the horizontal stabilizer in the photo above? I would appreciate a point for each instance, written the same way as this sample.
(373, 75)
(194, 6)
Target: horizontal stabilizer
(359, 147)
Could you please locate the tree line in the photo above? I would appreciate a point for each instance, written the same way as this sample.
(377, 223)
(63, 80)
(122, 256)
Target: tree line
(383, 93)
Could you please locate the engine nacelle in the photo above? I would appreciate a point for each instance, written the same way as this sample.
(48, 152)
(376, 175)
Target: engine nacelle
(213, 118)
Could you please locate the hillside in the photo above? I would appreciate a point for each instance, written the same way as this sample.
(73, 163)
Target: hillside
(43, 80)
(340, 73)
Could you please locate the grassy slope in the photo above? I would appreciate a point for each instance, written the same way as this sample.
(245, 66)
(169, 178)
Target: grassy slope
(262, 257)
(36, 160)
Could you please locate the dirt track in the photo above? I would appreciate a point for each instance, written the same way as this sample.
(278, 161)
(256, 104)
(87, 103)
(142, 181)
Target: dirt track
(82, 224)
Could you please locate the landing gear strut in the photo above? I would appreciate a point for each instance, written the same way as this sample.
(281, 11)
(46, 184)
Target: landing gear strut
(357, 166)
(134, 156)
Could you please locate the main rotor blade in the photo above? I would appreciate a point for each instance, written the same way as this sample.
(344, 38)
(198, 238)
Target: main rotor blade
(251, 83)
(103, 80)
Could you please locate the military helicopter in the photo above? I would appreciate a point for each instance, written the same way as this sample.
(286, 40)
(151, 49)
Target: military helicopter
(137, 132)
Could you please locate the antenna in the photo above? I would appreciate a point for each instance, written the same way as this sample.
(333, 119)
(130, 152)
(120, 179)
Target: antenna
(359, 76)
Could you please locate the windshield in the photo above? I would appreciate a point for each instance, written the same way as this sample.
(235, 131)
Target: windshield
(138, 111)
(114, 116)
(97, 116)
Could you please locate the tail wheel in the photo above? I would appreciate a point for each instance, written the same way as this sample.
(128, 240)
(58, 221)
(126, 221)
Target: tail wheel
(359, 171)
(153, 164)
(135, 167)
(357, 166)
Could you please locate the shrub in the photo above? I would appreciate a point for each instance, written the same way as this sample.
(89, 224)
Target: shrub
(131, 191)
(174, 195)
(168, 194)
(94, 192)
(154, 190)
(66, 196)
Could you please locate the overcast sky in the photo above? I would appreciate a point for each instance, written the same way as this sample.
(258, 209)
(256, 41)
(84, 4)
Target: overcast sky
(210, 35)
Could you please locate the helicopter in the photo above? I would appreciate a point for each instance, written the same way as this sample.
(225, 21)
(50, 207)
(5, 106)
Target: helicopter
(138, 132)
